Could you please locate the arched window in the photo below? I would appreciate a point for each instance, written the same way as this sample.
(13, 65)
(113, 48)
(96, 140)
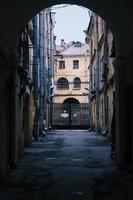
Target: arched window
(77, 83)
(62, 83)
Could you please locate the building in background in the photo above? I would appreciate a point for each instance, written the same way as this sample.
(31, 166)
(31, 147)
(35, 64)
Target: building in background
(102, 86)
(71, 72)
(71, 76)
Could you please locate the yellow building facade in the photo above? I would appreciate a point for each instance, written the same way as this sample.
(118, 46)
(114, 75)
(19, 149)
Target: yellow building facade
(102, 73)
(71, 74)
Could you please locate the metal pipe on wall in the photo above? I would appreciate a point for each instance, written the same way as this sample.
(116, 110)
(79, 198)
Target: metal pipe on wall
(36, 74)
(97, 76)
(41, 72)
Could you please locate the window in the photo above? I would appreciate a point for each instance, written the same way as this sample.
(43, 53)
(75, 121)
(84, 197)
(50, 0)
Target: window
(61, 64)
(75, 64)
(77, 83)
(62, 83)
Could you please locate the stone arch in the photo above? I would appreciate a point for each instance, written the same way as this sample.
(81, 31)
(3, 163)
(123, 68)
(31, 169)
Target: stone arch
(14, 15)
(17, 13)
(71, 100)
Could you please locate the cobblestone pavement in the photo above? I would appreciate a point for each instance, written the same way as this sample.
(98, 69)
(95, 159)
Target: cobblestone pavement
(68, 165)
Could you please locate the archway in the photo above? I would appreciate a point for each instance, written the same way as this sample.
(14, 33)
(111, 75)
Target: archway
(78, 117)
(23, 11)
(71, 100)
(17, 14)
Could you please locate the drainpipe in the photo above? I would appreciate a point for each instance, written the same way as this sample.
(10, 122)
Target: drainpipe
(36, 75)
(90, 89)
(97, 75)
(41, 72)
(105, 77)
(45, 66)
(50, 71)
(50, 65)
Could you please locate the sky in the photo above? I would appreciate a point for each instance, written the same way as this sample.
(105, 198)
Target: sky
(71, 20)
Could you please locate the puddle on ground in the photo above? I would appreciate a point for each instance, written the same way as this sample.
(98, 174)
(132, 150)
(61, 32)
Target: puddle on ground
(50, 158)
(77, 159)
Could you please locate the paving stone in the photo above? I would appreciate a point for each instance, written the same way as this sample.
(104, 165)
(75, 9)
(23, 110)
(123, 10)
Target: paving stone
(68, 165)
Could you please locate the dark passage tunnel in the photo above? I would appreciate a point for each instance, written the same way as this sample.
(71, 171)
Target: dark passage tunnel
(62, 164)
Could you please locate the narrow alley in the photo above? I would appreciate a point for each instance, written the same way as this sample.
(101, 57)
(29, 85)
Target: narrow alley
(67, 165)
(66, 66)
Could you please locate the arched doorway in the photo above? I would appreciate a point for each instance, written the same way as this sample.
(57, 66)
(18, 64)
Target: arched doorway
(71, 114)
(71, 101)
(72, 107)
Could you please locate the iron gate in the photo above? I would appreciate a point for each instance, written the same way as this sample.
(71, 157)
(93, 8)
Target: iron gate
(72, 116)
